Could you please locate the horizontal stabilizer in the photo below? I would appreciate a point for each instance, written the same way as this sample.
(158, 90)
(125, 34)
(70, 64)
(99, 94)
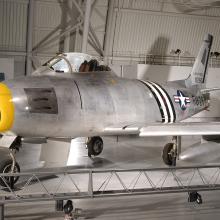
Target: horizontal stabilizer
(207, 90)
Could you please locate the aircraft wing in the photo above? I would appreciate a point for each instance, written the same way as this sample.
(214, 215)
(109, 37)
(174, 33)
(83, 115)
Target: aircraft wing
(122, 130)
(181, 129)
(174, 129)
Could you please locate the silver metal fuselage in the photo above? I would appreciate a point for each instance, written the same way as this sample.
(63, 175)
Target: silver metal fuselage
(89, 102)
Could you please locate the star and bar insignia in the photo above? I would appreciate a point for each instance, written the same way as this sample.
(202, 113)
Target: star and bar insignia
(181, 99)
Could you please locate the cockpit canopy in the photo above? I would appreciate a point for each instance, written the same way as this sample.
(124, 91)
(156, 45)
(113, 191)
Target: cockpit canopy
(74, 62)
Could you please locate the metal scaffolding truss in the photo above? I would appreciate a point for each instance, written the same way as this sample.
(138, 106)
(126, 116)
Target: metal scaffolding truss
(78, 184)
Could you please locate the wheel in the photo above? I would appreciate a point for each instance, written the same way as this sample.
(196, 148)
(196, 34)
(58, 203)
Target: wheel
(168, 154)
(95, 146)
(5, 167)
(68, 207)
(195, 197)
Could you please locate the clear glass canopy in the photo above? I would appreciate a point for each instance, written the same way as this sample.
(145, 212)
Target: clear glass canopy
(69, 62)
(73, 62)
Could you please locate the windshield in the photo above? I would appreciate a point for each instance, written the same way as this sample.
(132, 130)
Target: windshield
(58, 64)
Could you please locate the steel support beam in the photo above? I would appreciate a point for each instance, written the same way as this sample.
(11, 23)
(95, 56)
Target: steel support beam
(93, 37)
(67, 36)
(46, 38)
(108, 29)
(73, 28)
(78, 8)
(50, 38)
(86, 25)
(13, 53)
(2, 211)
(98, 44)
(179, 146)
(29, 37)
(93, 43)
(77, 46)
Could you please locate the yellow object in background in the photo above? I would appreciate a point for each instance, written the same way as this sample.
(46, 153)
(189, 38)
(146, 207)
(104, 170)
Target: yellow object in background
(6, 108)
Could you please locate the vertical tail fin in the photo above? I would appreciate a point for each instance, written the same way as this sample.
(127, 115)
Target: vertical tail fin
(199, 70)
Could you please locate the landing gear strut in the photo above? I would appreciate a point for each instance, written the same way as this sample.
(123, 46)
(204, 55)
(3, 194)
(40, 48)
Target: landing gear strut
(171, 151)
(94, 146)
(9, 165)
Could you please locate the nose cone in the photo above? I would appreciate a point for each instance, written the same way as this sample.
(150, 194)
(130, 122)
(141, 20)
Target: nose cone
(6, 108)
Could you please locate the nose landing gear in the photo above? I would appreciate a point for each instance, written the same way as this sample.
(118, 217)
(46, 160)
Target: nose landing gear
(9, 165)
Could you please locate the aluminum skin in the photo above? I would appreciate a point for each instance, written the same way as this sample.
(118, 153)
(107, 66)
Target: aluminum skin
(90, 102)
(58, 100)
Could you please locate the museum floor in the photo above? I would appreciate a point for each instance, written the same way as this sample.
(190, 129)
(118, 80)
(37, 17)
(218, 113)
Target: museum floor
(126, 153)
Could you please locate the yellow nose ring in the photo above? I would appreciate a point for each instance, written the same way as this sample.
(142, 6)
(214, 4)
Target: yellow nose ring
(6, 108)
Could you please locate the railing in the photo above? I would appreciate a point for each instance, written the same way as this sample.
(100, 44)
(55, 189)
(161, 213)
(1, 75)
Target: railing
(172, 60)
(78, 184)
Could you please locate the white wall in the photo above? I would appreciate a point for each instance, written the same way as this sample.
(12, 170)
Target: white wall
(156, 27)
(13, 25)
(144, 32)
(7, 67)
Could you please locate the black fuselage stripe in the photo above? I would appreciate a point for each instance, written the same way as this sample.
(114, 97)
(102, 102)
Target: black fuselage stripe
(171, 103)
(157, 100)
(164, 101)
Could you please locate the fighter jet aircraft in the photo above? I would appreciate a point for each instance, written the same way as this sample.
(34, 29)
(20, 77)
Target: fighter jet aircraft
(71, 96)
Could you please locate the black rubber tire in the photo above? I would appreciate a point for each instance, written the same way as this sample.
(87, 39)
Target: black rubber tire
(5, 167)
(199, 199)
(167, 158)
(95, 146)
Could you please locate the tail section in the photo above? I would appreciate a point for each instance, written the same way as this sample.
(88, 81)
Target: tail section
(199, 70)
